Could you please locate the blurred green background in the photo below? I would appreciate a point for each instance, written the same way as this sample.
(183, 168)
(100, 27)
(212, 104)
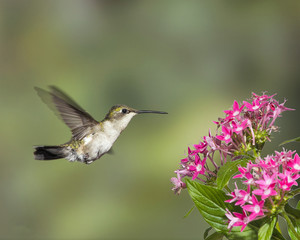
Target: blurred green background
(189, 58)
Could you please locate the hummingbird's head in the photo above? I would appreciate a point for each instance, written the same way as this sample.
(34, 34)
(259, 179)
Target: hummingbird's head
(119, 112)
(122, 114)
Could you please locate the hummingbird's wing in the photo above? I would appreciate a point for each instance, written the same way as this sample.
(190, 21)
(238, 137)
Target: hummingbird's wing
(75, 117)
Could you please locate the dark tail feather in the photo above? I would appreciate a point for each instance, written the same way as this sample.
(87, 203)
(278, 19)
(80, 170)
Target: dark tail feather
(49, 152)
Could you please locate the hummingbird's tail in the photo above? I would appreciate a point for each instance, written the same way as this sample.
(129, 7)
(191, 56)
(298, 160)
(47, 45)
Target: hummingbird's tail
(49, 152)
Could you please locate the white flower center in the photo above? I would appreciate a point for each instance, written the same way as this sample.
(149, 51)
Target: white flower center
(297, 166)
(255, 107)
(236, 113)
(257, 209)
(269, 181)
(250, 181)
(267, 192)
(284, 186)
(227, 137)
(199, 168)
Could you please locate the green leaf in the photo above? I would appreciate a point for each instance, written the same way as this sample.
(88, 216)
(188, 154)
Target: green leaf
(292, 225)
(247, 234)
(255, 225)
(266, 231)
(291, 140)
(298, 205)
(277, 227)
(296, 227)
(277, 235)
(252, 232)
(294, 192)
(189, 212)
(211, 205)
(206, 232)
(294, 216)
(226, 171)
(292, 235)
(215, 236)
(292, 211)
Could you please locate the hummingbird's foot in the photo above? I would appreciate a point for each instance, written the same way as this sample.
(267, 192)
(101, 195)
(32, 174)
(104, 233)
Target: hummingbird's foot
(88, 162)
(86, 159)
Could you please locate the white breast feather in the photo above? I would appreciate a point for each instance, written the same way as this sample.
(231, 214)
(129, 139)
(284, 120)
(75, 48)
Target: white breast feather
(101, 142)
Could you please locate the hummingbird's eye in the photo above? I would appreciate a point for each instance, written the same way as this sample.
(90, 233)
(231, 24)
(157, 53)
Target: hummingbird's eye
(124, 110)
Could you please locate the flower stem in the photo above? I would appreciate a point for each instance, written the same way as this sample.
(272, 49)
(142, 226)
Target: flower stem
(211, 173)
(290, 224)
(213, 162)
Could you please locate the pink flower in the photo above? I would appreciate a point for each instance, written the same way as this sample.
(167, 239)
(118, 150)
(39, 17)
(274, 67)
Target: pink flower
(245, 129)
(294, 164)
(254, 106)
(192, 152)
(241, 196)
(288, 179)
(256, 208)
(201, 147)
(246, 173)
(184, 161)
(246, 170)
(269, 163)
(285, 185)
(211, 142)
(250, 179)
(239, 219)
(242, 171)
(239, 127)
(279, 109)
(226, 135)
(198, 167)
(265, 193)
(232, 219)
(267, 181)
(284, 156)
(235, 112)
(263, 97)
(178, 185)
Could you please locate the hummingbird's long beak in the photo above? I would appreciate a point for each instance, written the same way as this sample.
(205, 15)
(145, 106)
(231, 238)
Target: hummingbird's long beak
(150, 111)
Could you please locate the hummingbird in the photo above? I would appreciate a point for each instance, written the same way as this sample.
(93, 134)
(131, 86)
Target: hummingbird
(90, 139)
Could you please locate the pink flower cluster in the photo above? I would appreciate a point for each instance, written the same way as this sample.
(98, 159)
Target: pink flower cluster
(195, 164)
(267, 181)
(245, 128)
(248, 126)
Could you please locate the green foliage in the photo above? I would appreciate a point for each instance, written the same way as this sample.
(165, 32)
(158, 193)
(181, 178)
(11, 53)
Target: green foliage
(295, 212)
(291, 140)
(189, 212)
(266, 231)
(296, 228)
(294, 216)
(226, 172)
(206, 232)
(211, 205)
(215, 236)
